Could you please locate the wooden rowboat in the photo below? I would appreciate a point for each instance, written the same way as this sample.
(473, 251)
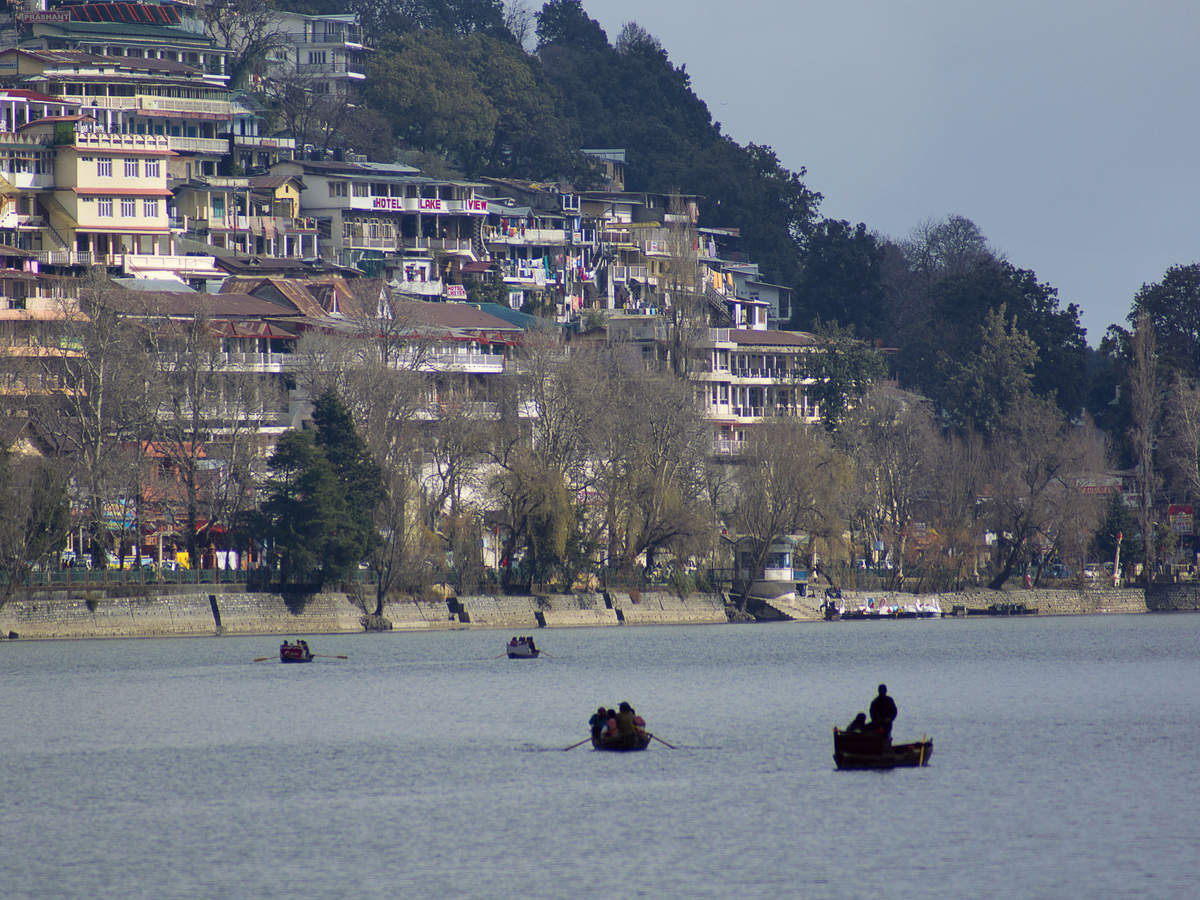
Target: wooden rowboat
(874, 751)
(623, 743)
(294, 653)
(523, 649)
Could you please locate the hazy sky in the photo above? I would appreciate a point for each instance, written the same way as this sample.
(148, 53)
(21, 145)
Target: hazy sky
(1065, 129)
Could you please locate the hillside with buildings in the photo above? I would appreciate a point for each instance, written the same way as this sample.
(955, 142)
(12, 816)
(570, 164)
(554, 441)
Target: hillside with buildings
(265, 267)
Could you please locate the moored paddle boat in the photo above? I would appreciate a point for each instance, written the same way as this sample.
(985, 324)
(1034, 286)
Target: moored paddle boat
(295, 653)
(871, 750)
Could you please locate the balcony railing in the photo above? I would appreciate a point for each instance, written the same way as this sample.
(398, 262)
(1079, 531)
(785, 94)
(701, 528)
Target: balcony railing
(266, 143)
(197, 144)
(460, 245)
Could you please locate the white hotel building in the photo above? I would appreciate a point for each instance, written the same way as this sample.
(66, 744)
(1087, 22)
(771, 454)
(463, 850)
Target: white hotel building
(411, 227)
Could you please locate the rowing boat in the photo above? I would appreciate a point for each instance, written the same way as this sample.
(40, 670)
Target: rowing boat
(874, 751)
(622, 743)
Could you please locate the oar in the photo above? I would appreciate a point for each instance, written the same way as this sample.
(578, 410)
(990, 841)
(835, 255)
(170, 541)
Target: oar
(325, 656)
(661, 741)
(577, 743)
(265, 658)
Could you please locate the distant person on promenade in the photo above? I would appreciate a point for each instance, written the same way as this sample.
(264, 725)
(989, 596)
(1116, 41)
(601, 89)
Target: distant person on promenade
(883, 712)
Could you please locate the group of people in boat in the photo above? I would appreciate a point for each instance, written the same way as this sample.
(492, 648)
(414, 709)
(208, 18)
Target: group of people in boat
(523, 641)
(883, 713)
(300, 644)
(622, 722)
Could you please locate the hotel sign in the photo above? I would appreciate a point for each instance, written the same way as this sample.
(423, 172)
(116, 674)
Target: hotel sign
(388, 203)
(455, 292)
(475, 206)
(430, 204)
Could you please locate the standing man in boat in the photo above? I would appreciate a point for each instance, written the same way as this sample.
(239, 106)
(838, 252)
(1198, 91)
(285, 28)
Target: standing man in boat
(883, 712)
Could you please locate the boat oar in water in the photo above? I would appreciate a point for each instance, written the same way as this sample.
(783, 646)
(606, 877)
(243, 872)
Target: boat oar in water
(577, 743)
(265, 658)
(325, 656)
(664, 743)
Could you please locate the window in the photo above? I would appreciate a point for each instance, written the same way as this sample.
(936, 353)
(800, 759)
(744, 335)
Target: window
(104, 168)
(152, 168)
(128, 207)
(337, 189)
(361, 190)
(218, 208)
(104, 207)
(131, 168)
(150, 209)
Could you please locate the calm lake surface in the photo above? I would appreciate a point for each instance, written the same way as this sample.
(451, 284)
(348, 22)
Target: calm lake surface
(1065, 764)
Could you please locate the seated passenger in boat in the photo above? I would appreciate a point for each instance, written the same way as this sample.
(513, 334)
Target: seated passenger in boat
(628, 721)
(611, 729)
(859, 725)
(597, 721)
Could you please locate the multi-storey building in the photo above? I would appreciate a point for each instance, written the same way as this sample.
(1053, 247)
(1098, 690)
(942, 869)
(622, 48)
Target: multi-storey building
(189, 108)
(325, 50)
(390, 214)
(749, 376)
(250, 216)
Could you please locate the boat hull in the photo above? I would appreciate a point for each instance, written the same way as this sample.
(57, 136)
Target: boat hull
(872, 751)
(629, 743)
(523, 653)
(291, 653)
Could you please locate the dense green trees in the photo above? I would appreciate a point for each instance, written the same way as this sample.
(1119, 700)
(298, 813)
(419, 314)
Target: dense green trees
(320, 499)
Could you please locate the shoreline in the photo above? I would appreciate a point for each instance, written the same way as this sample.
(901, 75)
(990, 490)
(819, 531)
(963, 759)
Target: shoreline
(212, 610)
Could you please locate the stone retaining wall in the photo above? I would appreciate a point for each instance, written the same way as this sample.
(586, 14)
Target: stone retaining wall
(189, 612)
(1173, 597)
(662, 608)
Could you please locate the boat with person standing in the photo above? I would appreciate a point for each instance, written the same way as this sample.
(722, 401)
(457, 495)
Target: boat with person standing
(874, 750)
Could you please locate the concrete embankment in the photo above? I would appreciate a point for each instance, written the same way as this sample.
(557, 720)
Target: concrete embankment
(1058, 602)
(200, 610)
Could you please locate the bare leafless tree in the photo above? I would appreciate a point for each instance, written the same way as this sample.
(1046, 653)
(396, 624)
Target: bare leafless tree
(96, 416)
(793, 481)
(251, 31)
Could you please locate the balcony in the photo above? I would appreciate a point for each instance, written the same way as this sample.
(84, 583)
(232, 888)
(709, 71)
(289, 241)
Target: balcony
(215, 146)
(106, 140)
(193, 266)
(70, 258)
(358, 242)
(728, 447)
(256, 362)
(264, 143)
(463, 361)
(554, 236)
(330, 68)
(448, 245)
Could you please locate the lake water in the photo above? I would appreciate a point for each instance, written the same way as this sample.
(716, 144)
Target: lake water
(1065, 764)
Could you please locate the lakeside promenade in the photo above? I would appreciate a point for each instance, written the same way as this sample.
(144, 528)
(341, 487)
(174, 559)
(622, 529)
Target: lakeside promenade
(209, 610)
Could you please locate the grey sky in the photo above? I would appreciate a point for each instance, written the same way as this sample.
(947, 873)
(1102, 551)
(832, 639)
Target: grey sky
(1065, 129)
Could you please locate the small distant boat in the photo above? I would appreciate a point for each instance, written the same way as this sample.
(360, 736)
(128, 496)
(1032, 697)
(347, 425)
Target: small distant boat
(874, 751)
(622, 743)
(294, 653)
(522, 648)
